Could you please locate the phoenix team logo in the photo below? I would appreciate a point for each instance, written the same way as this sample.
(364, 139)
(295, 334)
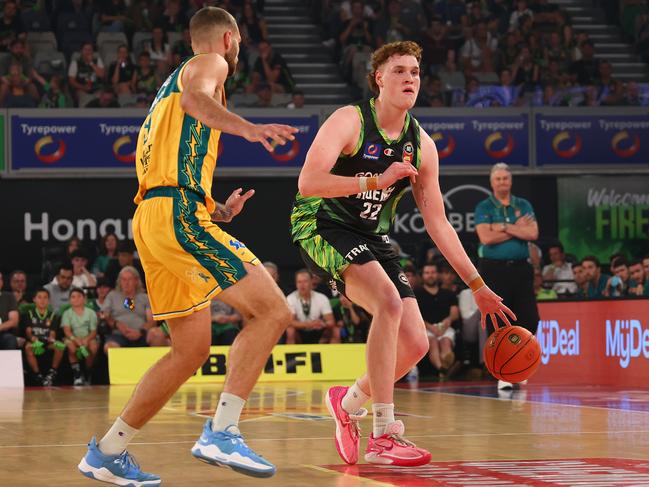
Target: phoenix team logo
(121, 151)
(408, 152)
(49, 151)
(624, 145)
(565, 146)
(371, 151)
(499, 146)
(444, 150)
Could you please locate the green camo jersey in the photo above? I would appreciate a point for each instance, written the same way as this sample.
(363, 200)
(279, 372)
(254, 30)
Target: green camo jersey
(372, 212)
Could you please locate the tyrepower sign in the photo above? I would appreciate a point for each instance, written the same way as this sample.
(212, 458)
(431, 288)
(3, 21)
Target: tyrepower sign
(285, 363)
(594, 342)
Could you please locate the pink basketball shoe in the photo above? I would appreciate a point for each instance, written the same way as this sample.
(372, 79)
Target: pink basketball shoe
(348, 433)
(392, 448)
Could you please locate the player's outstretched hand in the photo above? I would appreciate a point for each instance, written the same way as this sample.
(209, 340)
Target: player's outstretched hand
(396, 171)
(271, 135)
(490, 304)
(234, 203)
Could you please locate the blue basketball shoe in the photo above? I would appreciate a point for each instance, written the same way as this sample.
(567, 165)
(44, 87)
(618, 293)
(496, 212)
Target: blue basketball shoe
(116, 469)
(227, 449)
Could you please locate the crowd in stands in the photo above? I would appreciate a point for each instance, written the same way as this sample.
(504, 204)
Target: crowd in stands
(487, 53)
(112, 53)
(80, 306)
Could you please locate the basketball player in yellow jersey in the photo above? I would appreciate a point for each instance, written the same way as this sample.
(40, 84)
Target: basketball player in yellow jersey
(188, 259)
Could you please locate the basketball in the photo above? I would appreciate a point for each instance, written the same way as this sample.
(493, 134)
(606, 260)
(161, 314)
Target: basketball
(512, 354)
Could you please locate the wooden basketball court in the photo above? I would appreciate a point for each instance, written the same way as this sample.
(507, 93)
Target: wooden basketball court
(585, 436)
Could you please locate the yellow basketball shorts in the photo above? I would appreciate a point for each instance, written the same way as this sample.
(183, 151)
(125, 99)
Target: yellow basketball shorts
(187, 259)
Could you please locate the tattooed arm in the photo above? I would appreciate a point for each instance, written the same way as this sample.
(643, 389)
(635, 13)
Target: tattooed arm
(428, 196)
(232, 207)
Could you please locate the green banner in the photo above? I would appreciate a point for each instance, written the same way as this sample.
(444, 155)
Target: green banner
(601, 215)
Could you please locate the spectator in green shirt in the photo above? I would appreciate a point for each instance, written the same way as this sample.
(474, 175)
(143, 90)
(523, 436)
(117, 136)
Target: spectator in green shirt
(79, 325)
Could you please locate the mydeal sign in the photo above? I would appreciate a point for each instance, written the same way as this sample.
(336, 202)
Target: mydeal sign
(594, 342)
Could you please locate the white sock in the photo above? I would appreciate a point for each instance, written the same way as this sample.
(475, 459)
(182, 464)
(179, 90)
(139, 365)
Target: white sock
(383, 416)
(227, 412)
(117, 438)
(354, 399)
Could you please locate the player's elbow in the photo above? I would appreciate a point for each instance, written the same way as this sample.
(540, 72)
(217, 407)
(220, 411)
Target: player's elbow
(305, 186)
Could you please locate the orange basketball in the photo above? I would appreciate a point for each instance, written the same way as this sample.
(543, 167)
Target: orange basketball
(512, 354)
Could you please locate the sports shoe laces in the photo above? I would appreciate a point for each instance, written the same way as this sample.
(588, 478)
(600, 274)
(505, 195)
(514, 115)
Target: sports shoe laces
(127, 461)
(395, 432)
(353, 419)
(236, 437)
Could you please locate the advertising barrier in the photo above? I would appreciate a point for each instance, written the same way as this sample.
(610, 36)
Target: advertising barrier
(604, 215)
(594, 342)
(91, 140)
(479, 140)
(592, 138)
(286, 363)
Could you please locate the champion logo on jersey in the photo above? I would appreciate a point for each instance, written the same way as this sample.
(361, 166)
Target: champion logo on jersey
(372, 151)
(408, 152)
(388, 152)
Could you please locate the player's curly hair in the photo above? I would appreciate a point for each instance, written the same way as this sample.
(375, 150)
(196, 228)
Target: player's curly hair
(382, 54)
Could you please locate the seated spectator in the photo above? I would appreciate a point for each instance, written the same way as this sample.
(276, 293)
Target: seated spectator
(113, 16)
(449, 279)
(226, 322)
(391, 26)
(18, 286)
(638, 278)
(127, 312)
(158, 48)
(86, 73)
(17, 90)
(271, 68)
(59, 288)
(297, 100)
(252, 25)
(144, 14)
(356, 43)
(431, 88)
(541, 293)
(17, 55)
(55, 92)
(559, 270)
(79, 324)
(524, 72)
(413, 276)
(620, 282)
(182, 49)
(439, 310)
(521, 11)
(353, 321)
(451, 78)
(632, 95)
(106, 99)
(102, 290)
(145, 79)
(81, 278)
(107, 253)
(584, 71)
(173, 17)
(596, 279)
(8, 319)
(11, 27)
(581, 280)
(40, 324)
(614, 94)
(312, 313)
(125, 257)
(120, 72)
(264, 96)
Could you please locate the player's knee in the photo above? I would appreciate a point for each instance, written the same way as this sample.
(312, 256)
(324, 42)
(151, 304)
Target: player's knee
(282, 316)
(391, 306)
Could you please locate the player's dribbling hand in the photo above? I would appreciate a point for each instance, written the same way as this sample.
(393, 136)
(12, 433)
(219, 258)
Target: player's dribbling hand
(490, 304)
(236, 200)
(397, 170)
(277, 133)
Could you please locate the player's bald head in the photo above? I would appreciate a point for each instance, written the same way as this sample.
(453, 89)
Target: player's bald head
(209, 22)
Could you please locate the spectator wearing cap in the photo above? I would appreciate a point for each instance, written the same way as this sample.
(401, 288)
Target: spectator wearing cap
(59, 288)
(127, 312)
(558, 271)
(82, 277)
(125, 257)
(9, 318)
(596, 279)
(505, 224)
